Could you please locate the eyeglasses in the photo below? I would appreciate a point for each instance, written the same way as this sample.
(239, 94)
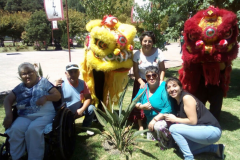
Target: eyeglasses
(28, 73)
(71, 65)
(154, 76)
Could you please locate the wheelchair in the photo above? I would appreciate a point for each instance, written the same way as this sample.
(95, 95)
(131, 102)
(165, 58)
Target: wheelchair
(59, 140)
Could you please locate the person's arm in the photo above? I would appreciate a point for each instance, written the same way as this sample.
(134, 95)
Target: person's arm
(136, 75)
(161, 72)
(190, 110)
(8, 102)
(85, 105)
(54, 95)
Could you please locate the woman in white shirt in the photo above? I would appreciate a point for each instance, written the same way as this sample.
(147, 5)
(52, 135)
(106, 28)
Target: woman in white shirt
(146, 56)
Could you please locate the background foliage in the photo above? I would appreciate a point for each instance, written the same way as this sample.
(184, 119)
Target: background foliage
(166, 18)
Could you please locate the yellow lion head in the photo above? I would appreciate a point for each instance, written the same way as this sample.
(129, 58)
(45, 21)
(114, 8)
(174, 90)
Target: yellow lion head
(108, 48)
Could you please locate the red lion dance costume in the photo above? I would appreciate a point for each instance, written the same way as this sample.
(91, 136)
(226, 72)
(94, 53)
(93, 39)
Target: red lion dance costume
(210, 46)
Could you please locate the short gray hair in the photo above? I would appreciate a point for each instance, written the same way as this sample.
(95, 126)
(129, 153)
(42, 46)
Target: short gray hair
(152, 69)
(25, 65)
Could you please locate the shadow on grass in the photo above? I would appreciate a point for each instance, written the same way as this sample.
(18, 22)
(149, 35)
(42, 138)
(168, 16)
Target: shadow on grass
(229, 122)
(234, 86)
(86, 147)
(148, 154)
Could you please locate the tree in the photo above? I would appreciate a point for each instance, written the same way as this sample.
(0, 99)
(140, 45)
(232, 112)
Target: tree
(12, 24)
(23, 5)
(76, 22)
(2, 4)
(75, 5)
(179, 11)
(98, 8)
(38, 27)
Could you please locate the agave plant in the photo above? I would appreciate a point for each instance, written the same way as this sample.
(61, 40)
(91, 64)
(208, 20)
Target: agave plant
(115, 125)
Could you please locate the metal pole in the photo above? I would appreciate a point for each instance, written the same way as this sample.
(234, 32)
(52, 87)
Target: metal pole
(68, 32)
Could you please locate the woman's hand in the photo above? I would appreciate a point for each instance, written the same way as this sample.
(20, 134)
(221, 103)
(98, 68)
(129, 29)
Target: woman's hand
(7, 122)
(41, 101)
(146, 106)
(170, 117)
(151, 125)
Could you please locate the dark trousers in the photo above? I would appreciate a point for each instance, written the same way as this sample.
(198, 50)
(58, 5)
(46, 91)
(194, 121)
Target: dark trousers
(213, 94)
(99, 83)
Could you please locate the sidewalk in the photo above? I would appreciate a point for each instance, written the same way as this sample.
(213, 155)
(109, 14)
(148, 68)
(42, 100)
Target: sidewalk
(53, 63)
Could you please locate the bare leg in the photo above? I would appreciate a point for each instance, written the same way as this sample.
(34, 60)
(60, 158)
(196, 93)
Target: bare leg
(140, 125)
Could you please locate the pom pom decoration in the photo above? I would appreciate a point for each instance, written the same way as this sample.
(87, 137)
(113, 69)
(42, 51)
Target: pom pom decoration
(199, 44)
(109, 21)
(130, 48)
(222, 44)
(117, 51)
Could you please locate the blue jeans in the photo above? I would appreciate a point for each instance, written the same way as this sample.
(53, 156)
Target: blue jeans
(193, 139)
(89, 114)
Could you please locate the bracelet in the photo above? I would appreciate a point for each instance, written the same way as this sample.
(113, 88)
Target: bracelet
(46, 98)
(155, 119)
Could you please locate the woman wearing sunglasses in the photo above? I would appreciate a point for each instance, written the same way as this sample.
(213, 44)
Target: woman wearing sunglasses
(196, 129)
(154, 101)
(146, 56)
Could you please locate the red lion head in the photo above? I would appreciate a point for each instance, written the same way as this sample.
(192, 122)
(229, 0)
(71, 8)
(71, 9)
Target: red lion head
(210, 46)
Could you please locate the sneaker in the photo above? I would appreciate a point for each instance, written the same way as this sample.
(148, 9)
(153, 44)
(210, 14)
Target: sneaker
(150, 136)
(90, 133)
(221, 148)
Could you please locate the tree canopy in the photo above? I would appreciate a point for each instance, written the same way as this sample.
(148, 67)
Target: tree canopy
(38, 27)
(12, 24)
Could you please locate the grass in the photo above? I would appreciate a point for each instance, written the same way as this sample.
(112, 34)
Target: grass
(90, 147)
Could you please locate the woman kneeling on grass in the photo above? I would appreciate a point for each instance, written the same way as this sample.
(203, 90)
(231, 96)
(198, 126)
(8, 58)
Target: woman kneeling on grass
(154, 102)
(196, 129)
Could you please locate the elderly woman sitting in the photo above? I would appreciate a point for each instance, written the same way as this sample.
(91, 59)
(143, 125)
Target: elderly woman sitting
(154, 101)
(34, 98)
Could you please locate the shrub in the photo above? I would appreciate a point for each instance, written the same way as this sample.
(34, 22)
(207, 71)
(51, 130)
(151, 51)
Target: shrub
(21, 47)
(17, 48)
(38, 46)
(137, 45)
(25, 47)
(4, 49)
(114, 123)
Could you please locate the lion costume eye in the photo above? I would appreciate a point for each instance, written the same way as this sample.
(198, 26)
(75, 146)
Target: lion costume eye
(101, 44)
(228, 34)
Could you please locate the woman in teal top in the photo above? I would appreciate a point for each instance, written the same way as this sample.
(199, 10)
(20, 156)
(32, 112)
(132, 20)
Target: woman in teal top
(154, 101)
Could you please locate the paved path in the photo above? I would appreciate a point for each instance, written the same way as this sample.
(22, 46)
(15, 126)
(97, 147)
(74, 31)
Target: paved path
(53, 63)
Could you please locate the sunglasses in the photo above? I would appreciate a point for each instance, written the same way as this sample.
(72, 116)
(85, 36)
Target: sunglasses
(154, 76)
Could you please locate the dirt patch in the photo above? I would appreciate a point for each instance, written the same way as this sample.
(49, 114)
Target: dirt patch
(110, 147)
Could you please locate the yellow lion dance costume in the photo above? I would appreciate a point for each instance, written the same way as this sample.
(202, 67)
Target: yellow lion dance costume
(108, 58)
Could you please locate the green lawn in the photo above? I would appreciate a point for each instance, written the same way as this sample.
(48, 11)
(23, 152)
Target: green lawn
(90, 147)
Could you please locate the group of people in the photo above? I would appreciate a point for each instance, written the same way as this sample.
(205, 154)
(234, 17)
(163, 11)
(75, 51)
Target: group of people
(167, 105)
(162, 105)
(34, 99)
